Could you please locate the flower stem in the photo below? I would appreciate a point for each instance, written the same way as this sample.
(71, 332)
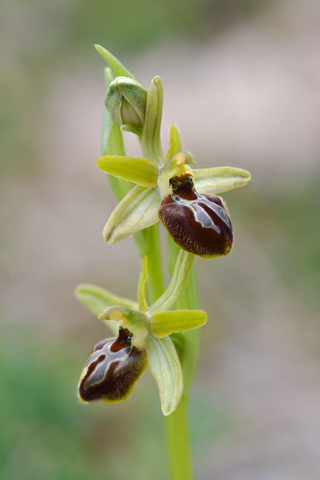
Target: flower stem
(180, 461)
(179, 453)
(153, 252)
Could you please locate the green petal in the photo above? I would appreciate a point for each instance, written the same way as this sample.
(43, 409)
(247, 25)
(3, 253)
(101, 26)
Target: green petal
(138, 210)
(137, 170)
(97, 299)
(116, 66)
(176, 285)
(150, 139)
(220, 179)
(142, 287)
(175, 145)
(164, 365)
(166, 323)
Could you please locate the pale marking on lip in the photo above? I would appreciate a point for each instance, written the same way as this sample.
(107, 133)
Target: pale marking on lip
(201, 215)
(102, 365)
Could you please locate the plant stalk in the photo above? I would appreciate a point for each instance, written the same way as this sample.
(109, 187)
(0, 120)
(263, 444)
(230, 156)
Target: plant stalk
(178, 444)
(179, 453)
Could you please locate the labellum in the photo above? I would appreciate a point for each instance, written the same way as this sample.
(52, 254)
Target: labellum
(112, 369)
(199, 224)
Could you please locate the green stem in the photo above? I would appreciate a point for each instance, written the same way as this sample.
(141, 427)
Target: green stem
(180, 461)
(153, 252)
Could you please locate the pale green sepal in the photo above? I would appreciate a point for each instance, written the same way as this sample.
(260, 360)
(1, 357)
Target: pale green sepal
(175, 321)
(150, 139)
(176, 285)
(126, 102)
(138, 210)
(164, 365)
(175, 167)
(116, 66)
(220, 179)
(97, 299)
(137, 170)
(175, 145)
(142, 286)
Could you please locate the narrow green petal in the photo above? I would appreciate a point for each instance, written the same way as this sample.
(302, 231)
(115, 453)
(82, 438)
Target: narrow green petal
(138, 210)
(116, 66)
(166, 323)
(150, 139)
(164, 365)
(137, 170)
(175, 144)
(142, 286)
(220, 179)
(176, 285)
(97, 299)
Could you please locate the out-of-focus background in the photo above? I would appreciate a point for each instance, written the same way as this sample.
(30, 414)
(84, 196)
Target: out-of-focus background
(242, 82)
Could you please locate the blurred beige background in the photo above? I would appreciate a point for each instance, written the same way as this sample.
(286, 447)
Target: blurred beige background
(242, 82)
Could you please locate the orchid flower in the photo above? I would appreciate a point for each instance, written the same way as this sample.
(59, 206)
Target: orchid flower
(166, 188)
(142, 340)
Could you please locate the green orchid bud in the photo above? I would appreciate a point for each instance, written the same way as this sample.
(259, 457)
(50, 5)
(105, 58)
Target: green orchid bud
(126, 102)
